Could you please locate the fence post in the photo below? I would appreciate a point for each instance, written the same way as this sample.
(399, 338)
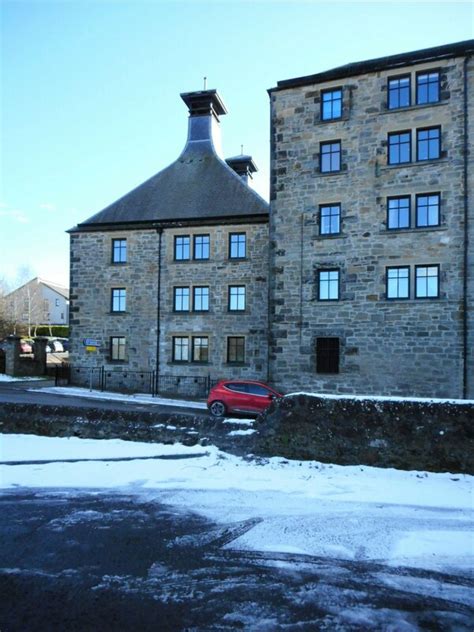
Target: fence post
(208, 383)
(152, 379)
(56, 374)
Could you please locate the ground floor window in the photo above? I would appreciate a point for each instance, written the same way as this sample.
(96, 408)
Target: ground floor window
(200, 349)
(235, 349)
(180, 349)
(117, 348)
(327, 355)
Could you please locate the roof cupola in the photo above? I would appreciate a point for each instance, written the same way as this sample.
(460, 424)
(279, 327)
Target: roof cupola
(205, 107)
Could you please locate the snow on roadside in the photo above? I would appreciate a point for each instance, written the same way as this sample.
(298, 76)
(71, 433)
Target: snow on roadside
(385, 398)
(138, 398)
(236, 433)
(239, 422)
(418, 519)
(10, 378)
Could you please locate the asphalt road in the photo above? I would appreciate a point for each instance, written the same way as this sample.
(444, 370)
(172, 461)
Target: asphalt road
(101, 561)
(21, 393)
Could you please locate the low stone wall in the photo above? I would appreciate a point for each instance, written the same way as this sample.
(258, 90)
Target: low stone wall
(405, 434)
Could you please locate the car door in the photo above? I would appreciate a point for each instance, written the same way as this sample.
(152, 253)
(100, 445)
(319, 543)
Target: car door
(260, 397)
(237, 398)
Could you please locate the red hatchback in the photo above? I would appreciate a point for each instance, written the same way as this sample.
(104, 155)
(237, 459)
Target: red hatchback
(240, 396)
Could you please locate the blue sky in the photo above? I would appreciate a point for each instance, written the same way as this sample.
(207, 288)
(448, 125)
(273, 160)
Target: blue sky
(90, 102)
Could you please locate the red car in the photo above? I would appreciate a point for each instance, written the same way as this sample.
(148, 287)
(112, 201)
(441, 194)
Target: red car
(240, 396)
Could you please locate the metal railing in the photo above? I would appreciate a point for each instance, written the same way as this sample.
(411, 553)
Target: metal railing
(133, 381)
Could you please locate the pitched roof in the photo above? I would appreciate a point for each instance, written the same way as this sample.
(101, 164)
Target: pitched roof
(380, 63)
(199, 185)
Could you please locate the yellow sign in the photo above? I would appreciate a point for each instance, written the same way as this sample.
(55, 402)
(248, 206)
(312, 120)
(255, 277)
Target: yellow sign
(91, 348)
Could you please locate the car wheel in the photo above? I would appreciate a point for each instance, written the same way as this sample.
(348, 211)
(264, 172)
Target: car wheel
(217, 409)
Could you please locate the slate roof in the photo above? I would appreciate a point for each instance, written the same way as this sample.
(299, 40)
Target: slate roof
(381, 63)
(199, 185)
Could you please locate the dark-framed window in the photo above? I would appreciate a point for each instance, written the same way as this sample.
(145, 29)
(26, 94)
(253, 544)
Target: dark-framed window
(181, 247)
(327, 355)
(329, 219)
(237, 298)
(237, 245)
(180, 349)
(398, 212)
(119, 251)
(331, 104)
(328, 285)
(200, 349)
(118, 302)
(427, 281)
(427, 87)
(235, 349)
(397, 282)
(117, 348)
(330, 156)
(201, 246)
(428, 143)
(428, 209)
(201, 298)
(181, 299)
(399, 147)
(399, 92)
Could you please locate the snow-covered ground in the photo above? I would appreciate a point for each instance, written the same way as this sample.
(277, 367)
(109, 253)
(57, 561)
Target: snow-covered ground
(418, 519)
(139, 398)
(9, 378)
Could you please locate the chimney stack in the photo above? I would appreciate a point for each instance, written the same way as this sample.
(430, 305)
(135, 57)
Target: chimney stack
(243, 166)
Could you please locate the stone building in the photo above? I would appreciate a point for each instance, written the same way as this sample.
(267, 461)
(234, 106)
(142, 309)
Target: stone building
(172, 277)
(372, 227)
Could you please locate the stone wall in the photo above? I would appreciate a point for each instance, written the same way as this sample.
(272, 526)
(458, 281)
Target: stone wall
(398, 347)
(93, 275)
(404, 434)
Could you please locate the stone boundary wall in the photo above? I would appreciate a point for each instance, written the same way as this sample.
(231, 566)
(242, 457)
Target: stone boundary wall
(408, 435)
(405, 434)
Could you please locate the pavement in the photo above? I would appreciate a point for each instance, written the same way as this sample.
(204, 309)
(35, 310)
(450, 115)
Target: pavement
(23, 393)
(71, 560)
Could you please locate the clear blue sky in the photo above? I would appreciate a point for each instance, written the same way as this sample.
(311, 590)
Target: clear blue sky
(90, 93)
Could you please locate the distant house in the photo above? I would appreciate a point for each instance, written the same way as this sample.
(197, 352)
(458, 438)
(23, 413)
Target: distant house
(37, 302)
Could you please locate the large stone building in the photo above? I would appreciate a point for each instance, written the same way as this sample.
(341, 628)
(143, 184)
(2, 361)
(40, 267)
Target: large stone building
(372, 227)
(362, 282)
(172, 278)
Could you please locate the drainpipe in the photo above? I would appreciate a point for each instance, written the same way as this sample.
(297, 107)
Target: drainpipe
(466, 235)
(158, 312)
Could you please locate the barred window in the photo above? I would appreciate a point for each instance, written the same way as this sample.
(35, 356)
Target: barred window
(327, 355)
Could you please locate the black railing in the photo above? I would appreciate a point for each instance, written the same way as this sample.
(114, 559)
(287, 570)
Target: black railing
(134, 381)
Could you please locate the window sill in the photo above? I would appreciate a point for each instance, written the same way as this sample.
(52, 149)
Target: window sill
(325, 174)
(237, 259)
(343, 118)
(118, 313)
(406, 301)
(416, 163)
(421, 229)
(119, 264)
(188, 312)
(236, 364)
(330, 236)
(416, 107)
